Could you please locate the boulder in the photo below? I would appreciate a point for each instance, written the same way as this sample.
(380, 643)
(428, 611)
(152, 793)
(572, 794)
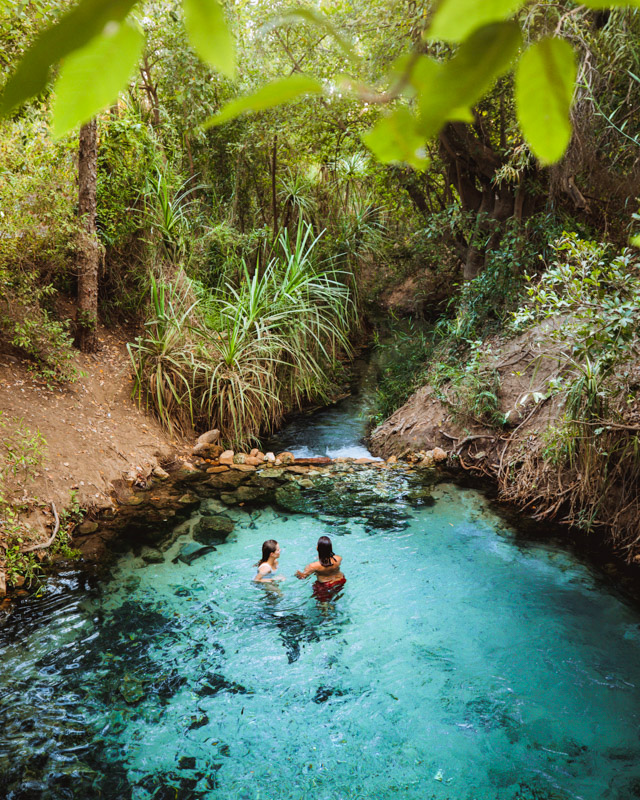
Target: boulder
(227, 480)
(88, 526)
(207, 450)
(208, 530)
(239, 458)
(247, 494)
(269, 457)
(190, 551)
(210, 437)
(439, 454)
(150, 555)
(160, 474)
(270, 472)
(291, 498)
(286, 457)
(226, 457)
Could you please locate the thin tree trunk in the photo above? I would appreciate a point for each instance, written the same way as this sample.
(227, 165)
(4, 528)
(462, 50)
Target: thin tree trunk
(89, 246)
(274, 167)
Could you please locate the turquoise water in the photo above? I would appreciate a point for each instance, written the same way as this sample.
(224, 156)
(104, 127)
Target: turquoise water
(459, 661)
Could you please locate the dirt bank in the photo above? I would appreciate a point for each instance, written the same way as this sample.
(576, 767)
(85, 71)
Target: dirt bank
(94, 433)
(579, 473)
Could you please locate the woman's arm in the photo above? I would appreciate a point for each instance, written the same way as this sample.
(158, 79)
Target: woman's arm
(263, 572)
(308, 570)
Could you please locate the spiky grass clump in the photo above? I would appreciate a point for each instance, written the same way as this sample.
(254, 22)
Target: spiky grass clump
(238, 359)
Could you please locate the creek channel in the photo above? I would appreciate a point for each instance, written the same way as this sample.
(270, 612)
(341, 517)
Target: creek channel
(463, 660)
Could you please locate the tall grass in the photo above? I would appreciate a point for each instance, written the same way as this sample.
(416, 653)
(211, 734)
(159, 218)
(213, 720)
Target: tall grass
(239, 358)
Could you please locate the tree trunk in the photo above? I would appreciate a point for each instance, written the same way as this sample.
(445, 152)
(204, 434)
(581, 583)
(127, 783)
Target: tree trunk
(89, 246)
(274, 202)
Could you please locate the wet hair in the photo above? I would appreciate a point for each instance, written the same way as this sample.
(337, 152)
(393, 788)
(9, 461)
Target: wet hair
(325, 551)
(268, 547)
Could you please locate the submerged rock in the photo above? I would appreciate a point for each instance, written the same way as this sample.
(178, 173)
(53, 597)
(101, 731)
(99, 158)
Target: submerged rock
(290, 496)
(212, 529)
(190, 551)
(131, 690)
(214, 683)
(150, 555)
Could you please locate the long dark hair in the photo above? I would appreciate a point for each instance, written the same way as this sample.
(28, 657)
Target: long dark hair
(325, 551)
(268, 547)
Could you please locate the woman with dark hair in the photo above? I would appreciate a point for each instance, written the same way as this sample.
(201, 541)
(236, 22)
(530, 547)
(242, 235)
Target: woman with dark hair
(268, 564)
(329, 578)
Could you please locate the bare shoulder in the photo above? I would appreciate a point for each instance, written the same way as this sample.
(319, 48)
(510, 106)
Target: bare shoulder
(264, 569)
(338, 559)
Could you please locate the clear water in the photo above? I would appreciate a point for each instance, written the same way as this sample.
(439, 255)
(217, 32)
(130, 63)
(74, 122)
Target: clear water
(458, 662)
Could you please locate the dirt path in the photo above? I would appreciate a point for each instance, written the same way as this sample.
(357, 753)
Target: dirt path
(94, 431)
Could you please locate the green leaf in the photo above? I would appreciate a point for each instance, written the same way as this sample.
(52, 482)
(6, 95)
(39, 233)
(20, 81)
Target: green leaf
(209, 35)
(73, 31)
(91, 78)
(610, 3)
(635, 240)
(447, 91)
(395, 138)
(454, 20)
(545, 81)
(272, 94)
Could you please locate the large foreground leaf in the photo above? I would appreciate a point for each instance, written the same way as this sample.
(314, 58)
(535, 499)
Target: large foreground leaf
(272, 94)
(545, 81)
(454, 20)
(447, 92)
(91, 78)
(75, 29)
(395, 138)
(209, 35)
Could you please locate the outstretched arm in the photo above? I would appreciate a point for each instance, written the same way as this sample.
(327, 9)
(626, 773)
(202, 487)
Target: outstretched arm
(308, 570)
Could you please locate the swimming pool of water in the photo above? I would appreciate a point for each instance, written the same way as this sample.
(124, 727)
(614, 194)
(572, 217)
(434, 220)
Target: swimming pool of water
(460, 661)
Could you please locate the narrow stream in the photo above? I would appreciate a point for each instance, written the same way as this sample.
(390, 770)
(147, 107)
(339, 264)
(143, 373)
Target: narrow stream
(461, 661)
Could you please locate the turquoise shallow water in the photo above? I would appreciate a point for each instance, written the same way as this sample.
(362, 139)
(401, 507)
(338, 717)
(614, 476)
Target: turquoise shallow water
(459, 661)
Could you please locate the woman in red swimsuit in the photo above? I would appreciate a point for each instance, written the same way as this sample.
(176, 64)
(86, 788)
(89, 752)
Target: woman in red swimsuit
(329, 578)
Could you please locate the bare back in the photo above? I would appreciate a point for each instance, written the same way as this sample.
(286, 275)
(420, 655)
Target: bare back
(324, 573)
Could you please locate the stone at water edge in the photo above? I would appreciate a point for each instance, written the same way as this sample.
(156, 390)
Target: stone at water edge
(210, 437)
(150, 555)
(253, 461)
(239, 458)
(286, 457)
(439, 454)
(159, 473)
(208, 530)
(392, 460)
(226, 457)
(88, 526)
(243, 467)
(215, 470)
(269, 457)
(254, 452)
(207, 450)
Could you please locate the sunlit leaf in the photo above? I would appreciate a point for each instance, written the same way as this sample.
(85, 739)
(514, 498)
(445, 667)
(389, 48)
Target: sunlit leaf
(316, 19)
(209, 34)
(74, 30)
(394, 138)
(454, 20)
(447, 91)
(635, 240)
(90, 78)
(545, 81)
(272, 94)
(610, 3)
